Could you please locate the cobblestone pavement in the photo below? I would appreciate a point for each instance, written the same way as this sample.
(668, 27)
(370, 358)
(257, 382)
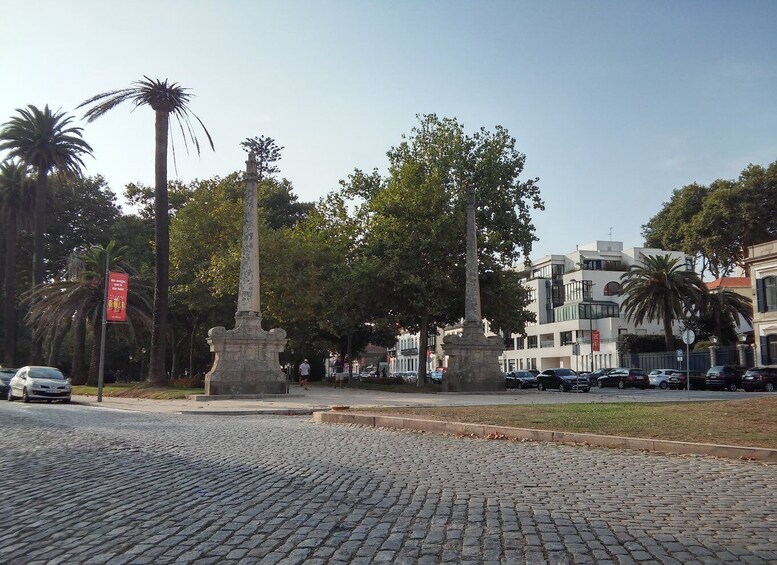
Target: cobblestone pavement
(103, 486)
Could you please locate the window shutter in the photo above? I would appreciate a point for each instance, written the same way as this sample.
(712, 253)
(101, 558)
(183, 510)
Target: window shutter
(764, 350)
(760, 294)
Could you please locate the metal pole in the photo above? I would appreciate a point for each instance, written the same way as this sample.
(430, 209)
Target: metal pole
(104, 328)
(688, 367)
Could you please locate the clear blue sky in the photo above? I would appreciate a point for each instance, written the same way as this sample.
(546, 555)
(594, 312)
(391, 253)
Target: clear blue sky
(614, 103)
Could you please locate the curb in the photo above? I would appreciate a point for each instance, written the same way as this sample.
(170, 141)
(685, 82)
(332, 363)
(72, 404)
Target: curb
(265, 412)
(761, 454)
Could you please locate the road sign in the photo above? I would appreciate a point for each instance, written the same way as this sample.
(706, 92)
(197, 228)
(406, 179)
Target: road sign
(688, 337)
(679, 354)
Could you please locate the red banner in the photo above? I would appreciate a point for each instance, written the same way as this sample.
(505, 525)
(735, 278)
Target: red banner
(116, 309)
(596, 340)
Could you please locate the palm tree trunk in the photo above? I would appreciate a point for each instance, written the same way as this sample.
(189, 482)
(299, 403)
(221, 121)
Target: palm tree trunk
(78, 369)
(668, 335)
(156, 367)
(9, 306)
(94, 363)
(38, 276)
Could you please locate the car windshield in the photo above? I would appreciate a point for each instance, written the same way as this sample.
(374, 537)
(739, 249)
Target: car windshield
(565, 372)
(45, 373)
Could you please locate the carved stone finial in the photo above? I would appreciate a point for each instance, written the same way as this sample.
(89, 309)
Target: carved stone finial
(251, 165)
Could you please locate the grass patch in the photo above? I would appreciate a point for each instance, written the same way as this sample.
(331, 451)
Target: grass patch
(751, 422)
(138, 390)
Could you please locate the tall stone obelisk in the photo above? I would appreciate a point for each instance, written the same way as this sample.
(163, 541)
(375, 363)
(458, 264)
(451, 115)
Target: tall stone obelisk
(246, 358)
(473, 358)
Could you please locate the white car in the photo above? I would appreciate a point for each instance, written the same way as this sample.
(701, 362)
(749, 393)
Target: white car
(660, 378)
(39, 383)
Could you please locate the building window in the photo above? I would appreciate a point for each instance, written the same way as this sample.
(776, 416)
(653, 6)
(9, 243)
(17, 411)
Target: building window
(612, 288)
(547, 340)
(519, 342)
(566, 338)
(770, 293)
(531, 342)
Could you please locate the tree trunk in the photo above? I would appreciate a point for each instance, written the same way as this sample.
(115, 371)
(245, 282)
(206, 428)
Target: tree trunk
(78, 369)
(9, 306)
(423, 347)
(156, 368)
(195, 324)
(56, 341)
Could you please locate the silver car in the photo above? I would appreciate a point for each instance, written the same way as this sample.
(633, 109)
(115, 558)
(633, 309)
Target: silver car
(39, 383)
(660, 377)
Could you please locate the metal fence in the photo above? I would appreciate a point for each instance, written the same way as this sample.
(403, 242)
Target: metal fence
(698, 360)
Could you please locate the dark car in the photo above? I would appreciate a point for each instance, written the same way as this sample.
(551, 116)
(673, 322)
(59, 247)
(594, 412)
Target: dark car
(677, 380)
(593, 377)
(623, 378)
(760, 378)
(724, 377)
(562, 380)
(520, 379)
(6, 374)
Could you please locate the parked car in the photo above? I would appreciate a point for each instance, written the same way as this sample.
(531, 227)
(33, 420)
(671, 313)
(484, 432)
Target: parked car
(660, 377)
(436, 377)
(593, 376)
(623, 378)
(6, 374)
(563, 380)
(520, 379)
(760, 378)
(724, 377)
(698, 380)
(39, 383)
(534, 372)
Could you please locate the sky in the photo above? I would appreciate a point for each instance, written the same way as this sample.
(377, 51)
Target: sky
(614, 103)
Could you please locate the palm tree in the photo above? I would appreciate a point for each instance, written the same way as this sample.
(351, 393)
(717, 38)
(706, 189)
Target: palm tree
(724, 308)
(81, 299)
(165, 99)
(48, 142)
(661, 289)
(15, 208)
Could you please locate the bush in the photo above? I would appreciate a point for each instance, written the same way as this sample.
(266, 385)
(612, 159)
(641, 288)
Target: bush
(633, 343)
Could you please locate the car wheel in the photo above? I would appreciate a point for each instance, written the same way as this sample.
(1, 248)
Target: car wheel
(769, 387)
(540, 386)
(520, 385)
(25, 396)
(732, 387)
(600, 384)
(621, 385)
(48, 401)
(663, 385)
(65, 401)
(9, 396)
(561, 387)
(586, 390)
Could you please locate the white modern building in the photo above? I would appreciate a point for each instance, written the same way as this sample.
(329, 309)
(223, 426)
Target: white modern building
(576, 297)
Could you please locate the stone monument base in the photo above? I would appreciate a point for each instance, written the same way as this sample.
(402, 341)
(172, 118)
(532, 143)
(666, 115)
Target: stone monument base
(246, 359)
(473, 361)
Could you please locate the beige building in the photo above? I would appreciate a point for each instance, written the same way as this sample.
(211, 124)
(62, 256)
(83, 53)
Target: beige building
(762, 262)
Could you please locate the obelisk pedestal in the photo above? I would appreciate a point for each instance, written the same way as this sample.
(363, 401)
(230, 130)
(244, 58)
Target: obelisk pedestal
(473, 358)
(246, 361)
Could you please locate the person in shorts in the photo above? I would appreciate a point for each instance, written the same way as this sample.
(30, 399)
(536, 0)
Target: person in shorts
(304, 374)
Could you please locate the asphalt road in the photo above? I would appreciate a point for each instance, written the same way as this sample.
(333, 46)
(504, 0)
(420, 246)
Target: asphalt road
(88, 485)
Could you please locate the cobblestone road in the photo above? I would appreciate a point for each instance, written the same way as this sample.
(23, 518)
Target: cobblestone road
(85, 485)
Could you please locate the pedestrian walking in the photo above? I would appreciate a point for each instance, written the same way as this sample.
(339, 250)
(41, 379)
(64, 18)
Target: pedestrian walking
(304, 374)
(339, 373)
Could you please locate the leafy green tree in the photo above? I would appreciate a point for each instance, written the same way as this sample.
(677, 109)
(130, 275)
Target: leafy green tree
(661, 289)
(165, 99)
(415, 227)
(718, 223)
(80, 299)
(82, 214)
(16, 205)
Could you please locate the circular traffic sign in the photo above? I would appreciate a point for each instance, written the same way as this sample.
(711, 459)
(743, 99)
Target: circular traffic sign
(688, 337)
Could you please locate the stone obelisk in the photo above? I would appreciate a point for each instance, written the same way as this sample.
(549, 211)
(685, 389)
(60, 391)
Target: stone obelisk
(246, 359)
(473, 358)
